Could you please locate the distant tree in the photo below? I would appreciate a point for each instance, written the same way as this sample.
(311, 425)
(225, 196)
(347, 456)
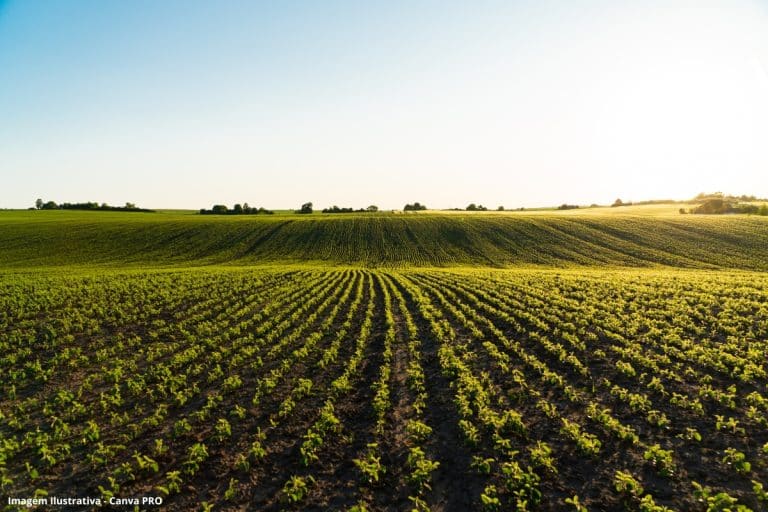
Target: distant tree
(336, 209)
(749, 209)
(305, 208)
(712, 206)
(39, 204)
(703, 196)
(93, 206)
(372, 208)
(471, 207)
(500, 209)
(682, 211)
(618, 202)
(763, 210)
(566, 206)
(414, 207)
(718, 206)
(237, 209)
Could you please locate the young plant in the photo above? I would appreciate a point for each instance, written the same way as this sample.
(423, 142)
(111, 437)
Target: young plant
(223, 430)
(370, 466)
(231, 492)
(541, 456)
(297, 488)
(489, 498)
(196, 455)
(737, 460)
(626, 484)
(661, 459)
(575, 502)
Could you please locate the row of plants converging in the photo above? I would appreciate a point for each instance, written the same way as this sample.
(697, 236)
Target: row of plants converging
(376, 390)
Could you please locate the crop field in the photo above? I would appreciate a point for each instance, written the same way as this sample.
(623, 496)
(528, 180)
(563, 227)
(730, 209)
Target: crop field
(601, 238)
(294, 387)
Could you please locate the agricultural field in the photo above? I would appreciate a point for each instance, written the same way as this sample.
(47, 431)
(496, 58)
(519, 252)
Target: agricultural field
(578, 321)
(606, 237)
(362, 387)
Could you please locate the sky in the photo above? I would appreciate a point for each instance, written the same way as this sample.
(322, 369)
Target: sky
(185, 104)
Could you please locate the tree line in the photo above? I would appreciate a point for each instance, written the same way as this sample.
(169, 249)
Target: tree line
(237, 209)
(52, 205)
(414, 207)
(308, 208)
(719, 206)
(336, 209)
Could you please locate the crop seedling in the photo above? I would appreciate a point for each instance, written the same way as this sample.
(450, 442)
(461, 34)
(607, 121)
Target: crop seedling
(661, 459)
(297, 488)
(575, 503)
(370, 466)
(626, 484)
(737, 460)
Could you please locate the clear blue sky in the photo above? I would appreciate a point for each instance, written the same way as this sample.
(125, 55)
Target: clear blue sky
(186, 104)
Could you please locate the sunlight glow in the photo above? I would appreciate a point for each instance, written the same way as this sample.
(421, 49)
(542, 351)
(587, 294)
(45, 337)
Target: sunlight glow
(518, 104)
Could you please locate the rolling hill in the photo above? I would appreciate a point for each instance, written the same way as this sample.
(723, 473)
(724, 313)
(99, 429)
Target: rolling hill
(603, 238)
